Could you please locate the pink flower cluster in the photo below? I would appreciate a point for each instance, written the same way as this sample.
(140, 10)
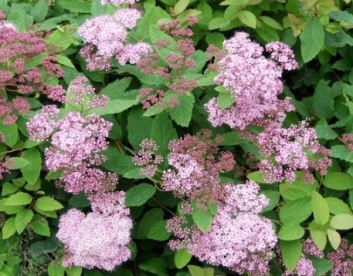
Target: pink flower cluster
(75, 146)
(342, 259)
(196, 165)
(172, 66)
(286, 151)
(9, 110)
(146, 157)
(100, 238)
(17, 49)
(111, 41)
(239, 238)
(253, 80)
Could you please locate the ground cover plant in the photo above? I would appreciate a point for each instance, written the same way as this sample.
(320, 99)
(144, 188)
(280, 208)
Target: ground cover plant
(176, 137)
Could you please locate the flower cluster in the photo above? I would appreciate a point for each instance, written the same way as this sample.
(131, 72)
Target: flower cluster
(342, 259)
(100, 238)
(9, 110)
(17, 49)
(239, 238)
(196, 166)
(76, 143)
(111, 41)
(145, 157)
(253, 80)
(172, 67)
(288, 149)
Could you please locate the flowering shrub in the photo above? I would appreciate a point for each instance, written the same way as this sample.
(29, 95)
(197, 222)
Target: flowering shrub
(176, 137)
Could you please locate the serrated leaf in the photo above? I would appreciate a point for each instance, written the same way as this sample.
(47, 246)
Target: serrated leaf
(32, 171)
(291, 231)
(40, 225)
(342, 222)
(195, 270)
(22, 219)
(162, 132)
(74, 271)
(19, 198)
(182, 113)
(158, 231)
(338, 206)
(8, 188)
(63, 60)
(291, 252)
(55, 268)
(298, 210)
(319, 237)
(256, 176)
(10, 133)
(113, 107)
(148, 221)
(76, 7)
(312, 39)
(138, 127)
(342, 16)
(338, 181)
(46, 203)
(247, 18)
(79, 201)
(9, 228)
(13, 163)
(180, 6)
(323, 100)
(217, 23)
(182, 257)
(202, 218)
(334, 238)
(320, 208)
(271, 22)
(40, 11)
(322, 266)
(138, 195)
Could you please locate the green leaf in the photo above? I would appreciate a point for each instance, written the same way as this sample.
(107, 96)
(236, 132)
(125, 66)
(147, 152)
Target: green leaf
(148, 221)
(19, 198)
(257, 177)
(273, 197)
(55, 268)
(342, 222)
(22, 219)
(338, 181)
(334, 238)
(339, 151)
(9, 228)
(98, 9)
(158, 231)
(318, 235)
(271, 22)
(46, 203)
(138, 195)
(162, 132)
(8, 188)
(32, 171)
(202, 218)
(79, 201)
(217, 23)
(182, 113)
(113, 107)
(40, 225)
(312, 39)
(322, 266)
(156, 266)
(291, 231)
(247, 18)
(180, 6)
(320, 208)
(298, 210)
(13, 163)
(195, 270)
(342, 16)
(138, 127)
(40, 11)
(325, 132)
(225, 100)
(214, 38)
(63, 60)
(76, 7)
(10, 133)
(155, 35)
(291, 252)
(182, 257)
(323, 100)
(74, 271)
(338, 206)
